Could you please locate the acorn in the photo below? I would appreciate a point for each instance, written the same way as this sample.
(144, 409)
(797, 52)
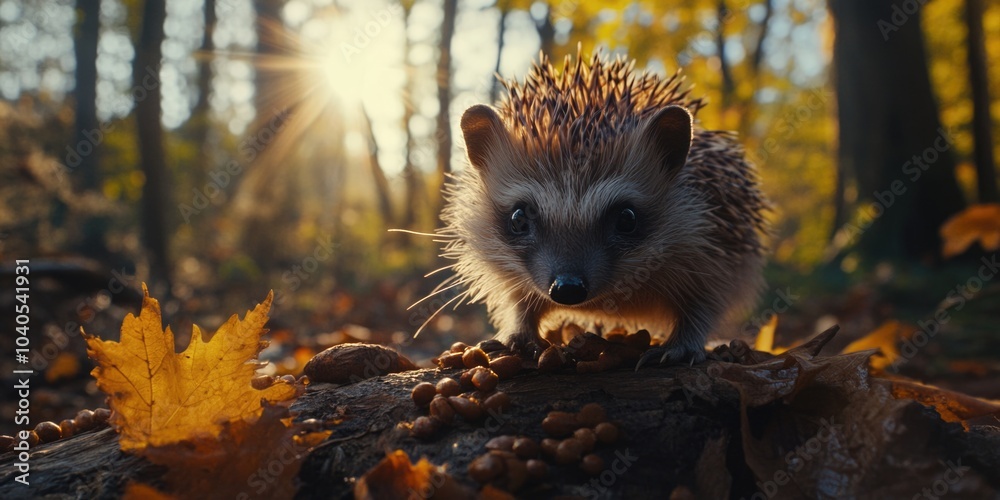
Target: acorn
(468, 409)
(506, 366)
(607, 433)
(425, 427)
(497, 402)
(441, 409)
(48, 432)
(525, 447)
(569, 451)
(475, 357)
(592, 464)
(423, 393)
(484, 379)
(448, 387)
(560, 423)
(486, 468)
(592, 414)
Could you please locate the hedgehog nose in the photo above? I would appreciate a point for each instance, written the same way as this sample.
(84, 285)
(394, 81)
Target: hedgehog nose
(568, 290)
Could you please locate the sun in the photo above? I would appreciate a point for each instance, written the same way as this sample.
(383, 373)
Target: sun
(335, 64)
(357, 57)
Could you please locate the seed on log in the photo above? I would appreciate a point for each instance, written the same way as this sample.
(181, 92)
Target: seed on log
(560, 423)
(592, 414)
(506, 366)
(607, 433)
(592, 464)
(423, 393)
(497, 403)
(468, 409)
(448, 387)
(484, 379)
(355, 362)
(475, 357)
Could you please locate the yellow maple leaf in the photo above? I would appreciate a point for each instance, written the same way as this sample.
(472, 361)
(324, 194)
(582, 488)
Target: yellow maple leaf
(159, 396)
(978, 222)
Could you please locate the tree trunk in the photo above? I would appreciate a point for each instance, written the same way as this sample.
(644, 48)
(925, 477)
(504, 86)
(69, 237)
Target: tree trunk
(411, 177)
(547, 32)
(728, 86)
(501, 29)
(986, 174)
(87, 127)
(382, 193)
(156, 188)
(890, 133)
(201, 114)
(443, 133)
(687, 428)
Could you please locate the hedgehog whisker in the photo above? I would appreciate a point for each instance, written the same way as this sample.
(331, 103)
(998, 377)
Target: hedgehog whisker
(438, 311)
(436, 292)
(418, 233)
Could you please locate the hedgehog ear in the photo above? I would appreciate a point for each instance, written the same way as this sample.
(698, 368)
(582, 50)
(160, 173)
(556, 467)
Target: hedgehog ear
(670, 131)
(484, 132)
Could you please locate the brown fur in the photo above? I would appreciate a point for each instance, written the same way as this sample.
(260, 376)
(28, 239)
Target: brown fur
(572, 143)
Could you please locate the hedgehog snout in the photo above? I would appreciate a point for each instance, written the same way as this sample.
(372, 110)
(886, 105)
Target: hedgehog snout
(568, 289)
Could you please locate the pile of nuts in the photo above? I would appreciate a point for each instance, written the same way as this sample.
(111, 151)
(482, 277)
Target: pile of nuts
(513, 460)
(591, 353)
(47, 432)
(471, 397)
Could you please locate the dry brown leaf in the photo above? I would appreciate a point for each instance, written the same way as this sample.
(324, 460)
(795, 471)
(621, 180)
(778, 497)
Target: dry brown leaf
(248, 460)
(978, 222)
(822, 427)
(159, 396)
(952, 406)
(397, 477)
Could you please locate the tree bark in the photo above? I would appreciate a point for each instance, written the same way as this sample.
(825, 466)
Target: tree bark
(156, 188)
(982, 133)
(890, 131)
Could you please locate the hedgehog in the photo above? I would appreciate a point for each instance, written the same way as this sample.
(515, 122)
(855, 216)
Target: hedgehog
(593, 196)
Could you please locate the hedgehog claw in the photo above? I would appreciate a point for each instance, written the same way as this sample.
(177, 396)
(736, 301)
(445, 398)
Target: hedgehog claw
(669, 355)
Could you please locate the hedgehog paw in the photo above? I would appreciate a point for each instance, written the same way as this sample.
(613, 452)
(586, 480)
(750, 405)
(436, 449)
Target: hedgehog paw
(670, 355)
(527, 346)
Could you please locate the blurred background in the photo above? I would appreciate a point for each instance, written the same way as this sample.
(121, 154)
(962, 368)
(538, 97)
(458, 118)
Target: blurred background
(218, 149)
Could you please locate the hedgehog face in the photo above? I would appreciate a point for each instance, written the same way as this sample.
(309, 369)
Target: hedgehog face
(572, 244)
(573, 225)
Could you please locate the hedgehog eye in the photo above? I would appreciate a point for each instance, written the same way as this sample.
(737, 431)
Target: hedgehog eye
(626, 222)
(519, 223)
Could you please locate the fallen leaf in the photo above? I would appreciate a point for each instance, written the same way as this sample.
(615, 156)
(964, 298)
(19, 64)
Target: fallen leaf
(66, 365)
(883, 338)
(765, 337)
(978, 222)
(158, 396)
(249, 460)
(952, 406)
(396, 477)
(141, 491)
